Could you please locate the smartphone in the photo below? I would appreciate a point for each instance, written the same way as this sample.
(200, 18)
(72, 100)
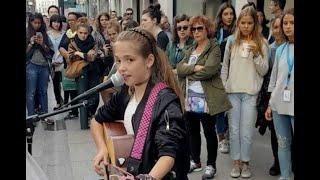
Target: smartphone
(108, 42)
(38, 34)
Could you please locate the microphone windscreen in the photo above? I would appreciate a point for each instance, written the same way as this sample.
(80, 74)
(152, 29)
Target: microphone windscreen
(117, 79)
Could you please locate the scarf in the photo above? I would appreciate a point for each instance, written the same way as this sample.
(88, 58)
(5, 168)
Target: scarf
(85, 45)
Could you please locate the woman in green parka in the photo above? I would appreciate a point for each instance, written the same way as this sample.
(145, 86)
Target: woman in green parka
(199, 76)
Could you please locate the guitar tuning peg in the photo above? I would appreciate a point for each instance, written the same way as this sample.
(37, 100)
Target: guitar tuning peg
(121, 161)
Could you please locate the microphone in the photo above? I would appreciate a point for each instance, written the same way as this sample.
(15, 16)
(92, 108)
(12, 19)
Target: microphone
(116, 80)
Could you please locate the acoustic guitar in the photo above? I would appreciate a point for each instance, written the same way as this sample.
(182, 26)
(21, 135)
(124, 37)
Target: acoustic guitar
(119, 143)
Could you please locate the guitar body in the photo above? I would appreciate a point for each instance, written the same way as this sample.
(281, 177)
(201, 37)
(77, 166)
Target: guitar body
(114, 129)
(119, 143)
(119, 148)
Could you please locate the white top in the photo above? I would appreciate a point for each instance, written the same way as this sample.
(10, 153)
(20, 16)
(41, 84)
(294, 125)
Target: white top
(278, 83)
(194, 85)
(195, 99)
(57, 57)
(130, 110)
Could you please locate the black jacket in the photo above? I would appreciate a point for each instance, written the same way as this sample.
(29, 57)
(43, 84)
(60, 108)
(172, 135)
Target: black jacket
(159, 141)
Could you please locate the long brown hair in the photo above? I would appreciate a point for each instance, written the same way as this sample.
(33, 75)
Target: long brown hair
(218, 23)
(256, 35)
(146, 44)
(288, 11)
(98, 24)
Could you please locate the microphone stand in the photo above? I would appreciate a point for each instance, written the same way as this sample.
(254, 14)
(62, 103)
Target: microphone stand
(30, 120)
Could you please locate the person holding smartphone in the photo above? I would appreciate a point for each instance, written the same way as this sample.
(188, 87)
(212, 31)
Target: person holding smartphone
(38, 59)
(101, 38)
(113, 30)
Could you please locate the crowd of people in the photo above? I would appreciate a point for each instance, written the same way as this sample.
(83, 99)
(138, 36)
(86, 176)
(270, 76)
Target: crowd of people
(230, 75)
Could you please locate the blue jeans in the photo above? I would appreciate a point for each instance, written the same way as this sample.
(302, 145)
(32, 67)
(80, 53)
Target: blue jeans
(284, 126)
(242, 118)
(37, 78)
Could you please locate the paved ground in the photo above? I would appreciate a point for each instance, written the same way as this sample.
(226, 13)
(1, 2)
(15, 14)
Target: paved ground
(65, 152)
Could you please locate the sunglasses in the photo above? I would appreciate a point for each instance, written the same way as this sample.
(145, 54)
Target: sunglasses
(179, 28)
(129, 13)
(199, 29)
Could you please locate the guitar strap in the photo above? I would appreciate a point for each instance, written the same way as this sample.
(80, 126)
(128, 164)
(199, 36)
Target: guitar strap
(138, 145)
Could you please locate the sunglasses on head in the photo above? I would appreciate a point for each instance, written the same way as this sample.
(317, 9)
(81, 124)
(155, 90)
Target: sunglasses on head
(199, 29)
(179, 28)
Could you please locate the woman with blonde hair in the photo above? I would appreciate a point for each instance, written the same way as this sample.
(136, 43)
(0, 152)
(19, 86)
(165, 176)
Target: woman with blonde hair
(83, 48)
(244, 65)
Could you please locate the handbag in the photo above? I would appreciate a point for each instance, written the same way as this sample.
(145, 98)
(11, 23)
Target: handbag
(74, 69)
(75, 65)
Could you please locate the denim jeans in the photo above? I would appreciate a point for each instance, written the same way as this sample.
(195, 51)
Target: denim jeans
(37, 78)
(284, 126)
(242, 118)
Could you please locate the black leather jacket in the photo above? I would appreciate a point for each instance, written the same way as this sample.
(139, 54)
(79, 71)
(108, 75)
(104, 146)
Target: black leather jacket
(159, 141)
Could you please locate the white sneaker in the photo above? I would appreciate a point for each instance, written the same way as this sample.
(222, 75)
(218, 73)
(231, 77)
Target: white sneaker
(236, 171)
(209, 173)
(245, 172)
(194, 167)
(224, 146)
